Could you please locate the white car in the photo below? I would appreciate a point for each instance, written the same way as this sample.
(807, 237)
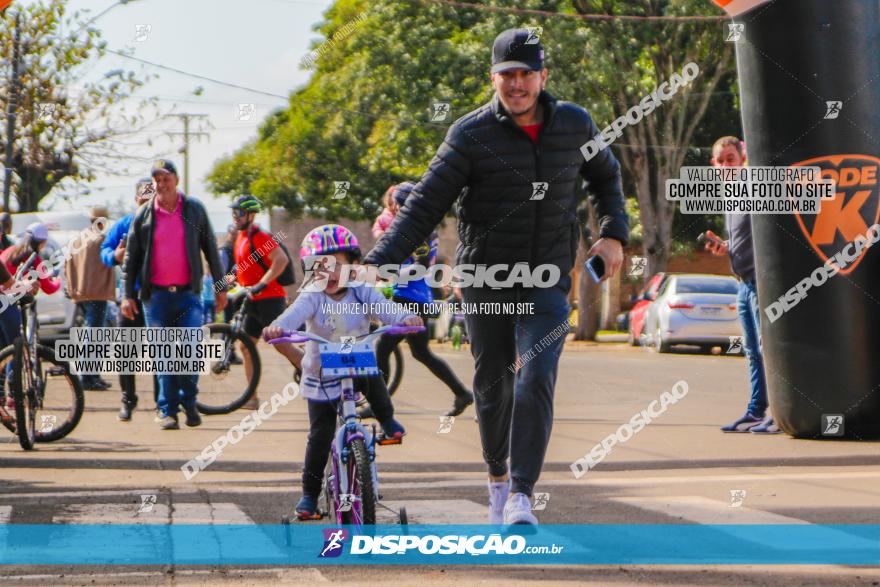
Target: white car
(694, 309)
(56, 313)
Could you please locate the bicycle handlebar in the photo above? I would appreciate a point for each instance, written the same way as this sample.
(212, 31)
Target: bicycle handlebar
(298, 336)
(25, 266)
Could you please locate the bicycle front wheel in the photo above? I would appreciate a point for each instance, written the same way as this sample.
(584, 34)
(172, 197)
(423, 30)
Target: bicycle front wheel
(231, 381)
(24, 396)
(56, 402)
(360, 480)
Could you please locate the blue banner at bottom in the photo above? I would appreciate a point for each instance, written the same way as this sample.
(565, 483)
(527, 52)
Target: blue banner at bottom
(299, 544)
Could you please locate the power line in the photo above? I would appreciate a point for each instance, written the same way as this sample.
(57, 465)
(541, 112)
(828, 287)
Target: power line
(587, 17)
(195, 75)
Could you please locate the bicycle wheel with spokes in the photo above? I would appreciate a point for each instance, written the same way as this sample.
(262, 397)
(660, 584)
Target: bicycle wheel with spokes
(58, 395)
(23, 393)
(228, 385)
(360, 481)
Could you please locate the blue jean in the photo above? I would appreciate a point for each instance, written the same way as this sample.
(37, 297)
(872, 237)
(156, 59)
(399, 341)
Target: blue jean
(515, 406)
(182, 310)
(749, 316)
(95, 313)
(208, 311)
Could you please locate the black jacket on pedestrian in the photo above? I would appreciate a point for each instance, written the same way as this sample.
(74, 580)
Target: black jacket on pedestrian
(489, 164)
(198, 238)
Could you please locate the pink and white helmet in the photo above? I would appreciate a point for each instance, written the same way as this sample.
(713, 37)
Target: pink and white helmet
(326, 240)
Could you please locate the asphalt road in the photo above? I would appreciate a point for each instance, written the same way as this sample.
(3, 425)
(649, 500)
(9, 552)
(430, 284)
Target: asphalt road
(679, 469)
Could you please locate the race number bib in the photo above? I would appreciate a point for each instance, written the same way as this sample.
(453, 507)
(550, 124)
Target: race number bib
(343, 359)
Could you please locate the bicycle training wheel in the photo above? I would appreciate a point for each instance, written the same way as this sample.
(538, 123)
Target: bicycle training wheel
(226, 386)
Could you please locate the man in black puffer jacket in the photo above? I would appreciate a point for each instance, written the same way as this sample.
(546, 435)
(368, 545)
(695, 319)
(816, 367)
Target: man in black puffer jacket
(514, 166)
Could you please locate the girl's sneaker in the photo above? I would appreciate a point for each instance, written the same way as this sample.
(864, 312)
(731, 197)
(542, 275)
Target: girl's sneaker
(392, 432)
(307, 508)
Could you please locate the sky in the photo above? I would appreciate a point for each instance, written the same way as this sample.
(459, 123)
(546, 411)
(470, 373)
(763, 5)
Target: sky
(256, 44)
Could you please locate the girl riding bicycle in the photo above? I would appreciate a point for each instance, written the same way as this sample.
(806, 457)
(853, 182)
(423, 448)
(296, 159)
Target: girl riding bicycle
(32, 241)
(333, 310)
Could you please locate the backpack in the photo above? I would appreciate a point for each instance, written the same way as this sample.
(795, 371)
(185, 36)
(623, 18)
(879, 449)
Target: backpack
(287, 276)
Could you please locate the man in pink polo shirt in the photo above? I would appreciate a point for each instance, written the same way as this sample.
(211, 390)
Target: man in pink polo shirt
(166, 241)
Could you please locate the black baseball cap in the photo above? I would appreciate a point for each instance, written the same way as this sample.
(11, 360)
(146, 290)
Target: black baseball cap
(164, 166)
(517, 49)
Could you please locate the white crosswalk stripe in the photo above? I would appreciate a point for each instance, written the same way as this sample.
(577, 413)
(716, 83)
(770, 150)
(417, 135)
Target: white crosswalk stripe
(702, 510)
(5, 514)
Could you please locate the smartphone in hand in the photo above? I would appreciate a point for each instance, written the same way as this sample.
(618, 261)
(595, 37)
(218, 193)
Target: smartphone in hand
(595, 266)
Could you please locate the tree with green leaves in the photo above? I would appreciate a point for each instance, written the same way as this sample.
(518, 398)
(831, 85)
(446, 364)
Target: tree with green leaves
(364, 116)
(625, 60)
(66, 127)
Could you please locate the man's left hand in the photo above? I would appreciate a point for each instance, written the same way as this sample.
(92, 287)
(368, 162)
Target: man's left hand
(611, 252)
(220, 300)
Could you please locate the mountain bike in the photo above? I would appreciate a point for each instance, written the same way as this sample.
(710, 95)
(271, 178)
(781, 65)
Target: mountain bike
(38, 384)
(351, 482)
(227, 386)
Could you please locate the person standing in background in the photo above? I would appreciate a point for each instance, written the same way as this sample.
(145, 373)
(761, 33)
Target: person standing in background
(91, 284)
(731, 152)
(166, 242)
(112, 254)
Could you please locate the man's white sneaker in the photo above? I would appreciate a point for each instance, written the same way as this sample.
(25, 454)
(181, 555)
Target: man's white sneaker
(518, 510)
(498, 491)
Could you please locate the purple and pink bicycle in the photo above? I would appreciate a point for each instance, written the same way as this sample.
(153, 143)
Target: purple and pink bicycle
(351, 481)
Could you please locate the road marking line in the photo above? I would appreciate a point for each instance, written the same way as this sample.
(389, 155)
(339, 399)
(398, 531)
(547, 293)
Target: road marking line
(705, 511)
(5, 514)
(479, 481)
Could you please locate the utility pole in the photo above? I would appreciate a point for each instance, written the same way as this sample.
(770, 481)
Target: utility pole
(185, 117)
(12, 106)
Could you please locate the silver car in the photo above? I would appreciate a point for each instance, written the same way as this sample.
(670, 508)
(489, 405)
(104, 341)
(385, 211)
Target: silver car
(694, 309)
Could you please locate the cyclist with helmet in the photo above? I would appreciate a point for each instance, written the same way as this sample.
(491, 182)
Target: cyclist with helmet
(258, 262)
(333, 310)
(32, 241)
(418, 292)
